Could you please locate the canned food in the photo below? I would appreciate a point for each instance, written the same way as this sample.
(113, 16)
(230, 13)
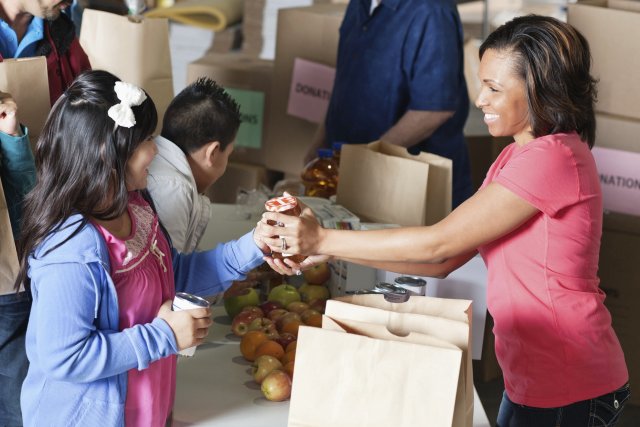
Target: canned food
(185, 301)
(287, 205)
(415, 285)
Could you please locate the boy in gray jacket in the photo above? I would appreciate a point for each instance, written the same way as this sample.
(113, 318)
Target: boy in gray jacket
(198, 132)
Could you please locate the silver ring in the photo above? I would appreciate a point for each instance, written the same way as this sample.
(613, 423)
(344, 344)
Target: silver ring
(284, 244)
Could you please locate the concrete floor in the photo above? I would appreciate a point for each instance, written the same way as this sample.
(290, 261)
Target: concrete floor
(491, 394)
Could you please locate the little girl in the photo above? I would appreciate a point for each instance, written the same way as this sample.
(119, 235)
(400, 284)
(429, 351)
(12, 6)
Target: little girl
(102, 337)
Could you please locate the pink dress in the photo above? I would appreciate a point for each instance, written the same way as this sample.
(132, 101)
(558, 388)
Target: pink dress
(143, 275)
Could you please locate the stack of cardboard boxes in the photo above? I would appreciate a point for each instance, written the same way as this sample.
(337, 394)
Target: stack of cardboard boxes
(271, 142)
(612, 29)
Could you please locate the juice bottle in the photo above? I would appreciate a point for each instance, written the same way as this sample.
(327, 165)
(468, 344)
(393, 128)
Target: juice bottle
(287, 205)
(320, 175)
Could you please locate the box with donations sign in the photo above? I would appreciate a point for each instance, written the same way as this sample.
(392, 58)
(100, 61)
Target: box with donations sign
(617, 155)
(310, 36)
(310, 91)
(612, 28)
(620, 179)
(248, 80)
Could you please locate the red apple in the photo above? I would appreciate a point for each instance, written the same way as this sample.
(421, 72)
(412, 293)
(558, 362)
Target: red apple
(241, 322)
(257, 310)
(284, 294)
(259, 323)
(271, 331)
(310, 292)
(306, 314)
(263, 366)
(298, 306)
(318, 304)
(318, 274)
(277, 313)
(276, 386)
(286, 318)
(285, 339)
(236, 299)
(267, 306)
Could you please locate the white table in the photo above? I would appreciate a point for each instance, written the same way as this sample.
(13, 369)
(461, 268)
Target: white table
(215, 389)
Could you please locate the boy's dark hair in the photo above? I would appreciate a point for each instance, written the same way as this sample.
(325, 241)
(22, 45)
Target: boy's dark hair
(202, 112)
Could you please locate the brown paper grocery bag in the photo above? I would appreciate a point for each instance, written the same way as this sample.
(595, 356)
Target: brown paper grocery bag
(353, 374)
(445, 319)
(27, 81)
(135, 51)
(384, 183)
(8, 255)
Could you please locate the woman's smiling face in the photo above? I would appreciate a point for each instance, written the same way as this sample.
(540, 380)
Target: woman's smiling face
(503, 97)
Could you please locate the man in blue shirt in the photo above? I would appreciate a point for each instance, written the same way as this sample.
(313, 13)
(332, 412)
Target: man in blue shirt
(39, 28)
(400, 78)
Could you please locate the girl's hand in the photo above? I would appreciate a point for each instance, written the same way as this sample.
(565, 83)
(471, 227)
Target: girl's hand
(9, 123)
(190, 327)
(287, 267)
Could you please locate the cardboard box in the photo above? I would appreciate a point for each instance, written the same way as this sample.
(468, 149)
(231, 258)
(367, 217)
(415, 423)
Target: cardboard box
(239, 176)
(613, 36)
(617, 154)
(241, 73)
(309, 33)
(617, 132)
(619, 274)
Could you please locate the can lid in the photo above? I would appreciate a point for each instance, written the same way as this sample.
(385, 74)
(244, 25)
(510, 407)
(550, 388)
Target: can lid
(392, 293)
(194, 299)
(396, 297)
(410, 281)
(281, 204)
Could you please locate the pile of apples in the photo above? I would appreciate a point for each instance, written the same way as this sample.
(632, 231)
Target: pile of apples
(268, 330)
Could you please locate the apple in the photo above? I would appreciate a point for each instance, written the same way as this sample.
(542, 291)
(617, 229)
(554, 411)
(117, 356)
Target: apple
(310, 292)
(237, 299)
(298, 307)
(263, 366)
(305, 315)
(277, 313)
(318, 304)
(267, 306)
(265, 325)
(284, 294)
(318, 274)
(276, 386)
(271, 331)
(255, 309)
(242, 321)
(259, 323)
(285, 339)
(286, 318)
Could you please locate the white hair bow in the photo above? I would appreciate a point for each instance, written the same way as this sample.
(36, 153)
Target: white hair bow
(129, 95)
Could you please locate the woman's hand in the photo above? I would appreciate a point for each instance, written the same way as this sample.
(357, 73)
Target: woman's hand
(9, 123)
(295, 235)
(190, 327)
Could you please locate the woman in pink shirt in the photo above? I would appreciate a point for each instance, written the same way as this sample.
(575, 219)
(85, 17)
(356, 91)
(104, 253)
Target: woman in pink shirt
(536, 221)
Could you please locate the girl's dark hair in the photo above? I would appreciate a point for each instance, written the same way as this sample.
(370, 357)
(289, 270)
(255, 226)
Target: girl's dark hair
(80, 162)
(554, 60)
